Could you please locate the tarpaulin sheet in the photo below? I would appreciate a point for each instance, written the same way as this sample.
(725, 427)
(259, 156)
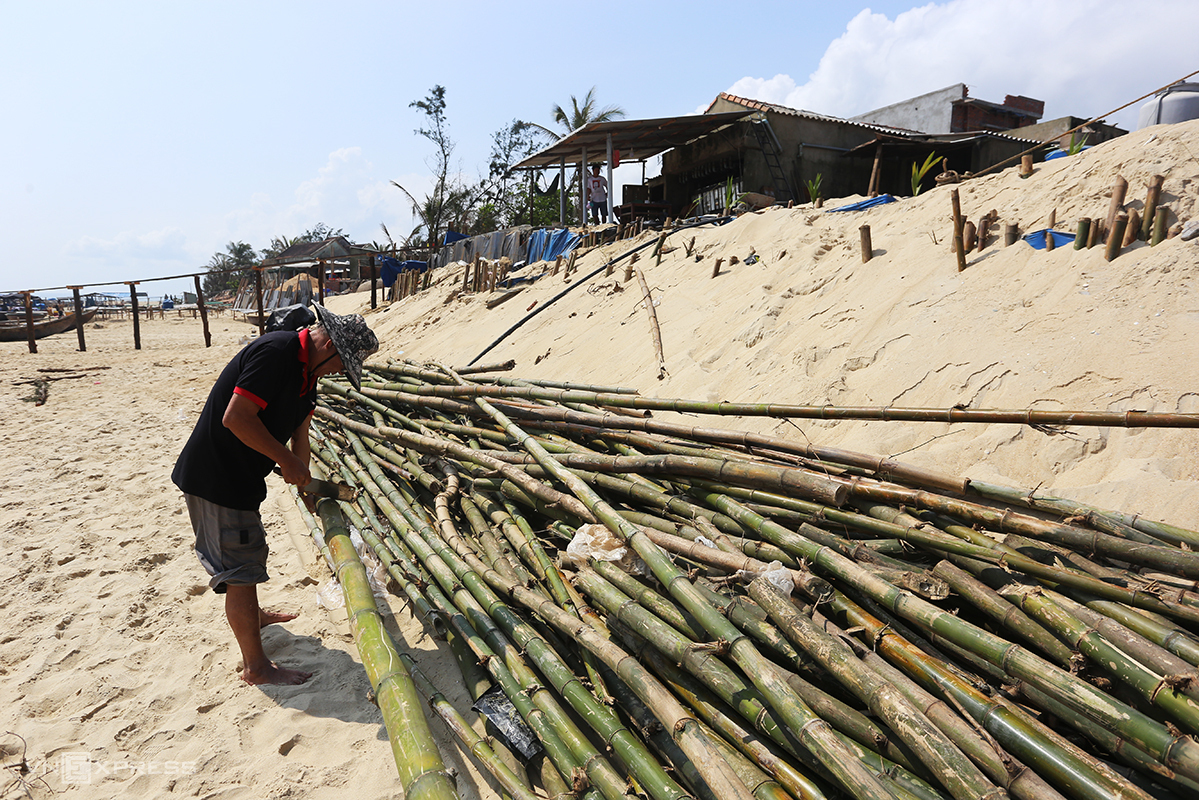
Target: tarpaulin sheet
(544, 245)
(392, 267)
(1037, 238)
(865, 204)
(453, 236)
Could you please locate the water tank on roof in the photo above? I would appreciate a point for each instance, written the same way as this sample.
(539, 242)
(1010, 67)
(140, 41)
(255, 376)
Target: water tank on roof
(1178, 103)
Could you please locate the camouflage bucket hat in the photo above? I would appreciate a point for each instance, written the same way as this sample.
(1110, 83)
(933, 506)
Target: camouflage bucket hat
(352, 338)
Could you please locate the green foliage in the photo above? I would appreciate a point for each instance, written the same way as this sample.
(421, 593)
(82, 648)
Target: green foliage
(584, 113)
(1076, 144)
(814, 187)
(918, 172)
(238, 257)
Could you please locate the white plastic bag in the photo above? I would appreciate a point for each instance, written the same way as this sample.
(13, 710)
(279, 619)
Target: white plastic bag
(598, 543)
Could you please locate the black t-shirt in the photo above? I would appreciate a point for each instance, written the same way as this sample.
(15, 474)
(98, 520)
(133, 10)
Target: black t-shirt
(215, 464)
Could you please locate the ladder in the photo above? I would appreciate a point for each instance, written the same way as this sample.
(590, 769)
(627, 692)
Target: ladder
(771, 152)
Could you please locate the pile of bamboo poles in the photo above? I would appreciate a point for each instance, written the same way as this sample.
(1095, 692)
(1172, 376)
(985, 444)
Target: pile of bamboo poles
(807, 622)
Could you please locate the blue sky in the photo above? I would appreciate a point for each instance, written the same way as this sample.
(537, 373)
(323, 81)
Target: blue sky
(141, 137)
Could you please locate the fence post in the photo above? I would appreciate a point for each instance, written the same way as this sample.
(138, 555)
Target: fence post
(137, 325)
(203, 311)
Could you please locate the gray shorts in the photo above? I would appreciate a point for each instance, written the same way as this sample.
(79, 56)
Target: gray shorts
(231, 544)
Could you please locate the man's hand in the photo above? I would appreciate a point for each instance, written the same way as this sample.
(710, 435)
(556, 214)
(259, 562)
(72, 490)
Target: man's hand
(294, 470)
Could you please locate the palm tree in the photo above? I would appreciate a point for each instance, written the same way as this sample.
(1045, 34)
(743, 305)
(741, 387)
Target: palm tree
(578, 116)
(581, 114)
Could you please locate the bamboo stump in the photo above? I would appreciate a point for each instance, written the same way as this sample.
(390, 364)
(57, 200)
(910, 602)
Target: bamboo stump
(1011, 233)
(716, 267)
(1116, 238)
(867, 247)
(1084, 230)
(957, 231)
(968, 235)
(984, 229)
(1151, 200)
(1025, 166)
(1119, 189)
(1159, 227)
(1134, 227)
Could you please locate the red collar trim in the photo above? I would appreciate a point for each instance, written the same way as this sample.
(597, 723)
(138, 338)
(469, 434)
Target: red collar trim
(306, 359)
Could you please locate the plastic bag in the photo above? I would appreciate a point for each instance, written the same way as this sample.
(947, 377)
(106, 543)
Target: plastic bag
(598, 543)
(329, 596)
(775, 573)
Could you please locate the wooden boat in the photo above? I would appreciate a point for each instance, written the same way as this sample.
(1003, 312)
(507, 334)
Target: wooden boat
(18, 331)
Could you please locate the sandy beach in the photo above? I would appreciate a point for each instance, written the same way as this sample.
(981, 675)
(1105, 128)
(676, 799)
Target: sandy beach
(117, 657)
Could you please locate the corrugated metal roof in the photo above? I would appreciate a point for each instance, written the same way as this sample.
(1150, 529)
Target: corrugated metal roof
(634, 138)
(337, 247)
(758, 105)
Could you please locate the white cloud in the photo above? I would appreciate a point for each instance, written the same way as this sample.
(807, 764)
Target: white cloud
(1082, 57)
(168, 244)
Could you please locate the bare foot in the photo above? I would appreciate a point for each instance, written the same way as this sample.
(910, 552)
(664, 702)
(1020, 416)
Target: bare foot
(271, 617)
(275, 674)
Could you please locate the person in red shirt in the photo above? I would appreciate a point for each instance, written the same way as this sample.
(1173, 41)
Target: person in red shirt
(256, 417)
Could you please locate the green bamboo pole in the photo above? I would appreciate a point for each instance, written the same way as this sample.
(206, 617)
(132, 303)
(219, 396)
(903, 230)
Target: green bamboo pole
(763, 752)
(1180, 753)
(422, 772)
(938, 753)
(475, 744)
(883, 467)
(1053, 758)
(1009, 616)
(1126, 419)
(1171, 638)
(484, 617)
(558, 734)
(1101, 519)
(998, 765)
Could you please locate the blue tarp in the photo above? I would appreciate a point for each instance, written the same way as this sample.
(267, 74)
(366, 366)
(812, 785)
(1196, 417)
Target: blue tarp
(392, 268)
(1062, 153)
(452, 236)
(865, 204)
(1037, 239)
(544, 245)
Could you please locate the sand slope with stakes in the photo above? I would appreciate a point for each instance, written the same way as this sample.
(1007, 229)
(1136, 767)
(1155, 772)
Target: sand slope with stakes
(114, 651)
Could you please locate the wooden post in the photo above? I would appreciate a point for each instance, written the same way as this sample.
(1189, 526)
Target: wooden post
(137, 328)
(867, 248)
(320, 287)
(658, 247)
(957, 231)
(79, 317)
(1011, 233)
(1134, 227)
(373, 273)
(1119, 189)
(1025, 166)
(258, 294)
(872, 190)
(1159, 226)
(466, 276)
(716, 267)
(1151, 201)
(1096, 234)
(1084, 230)
(557, 265)
(1116, 238)
(968, 237)
(570, 265)
(628, 270)
(984, 226)
(203, 312)
(29, 321)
